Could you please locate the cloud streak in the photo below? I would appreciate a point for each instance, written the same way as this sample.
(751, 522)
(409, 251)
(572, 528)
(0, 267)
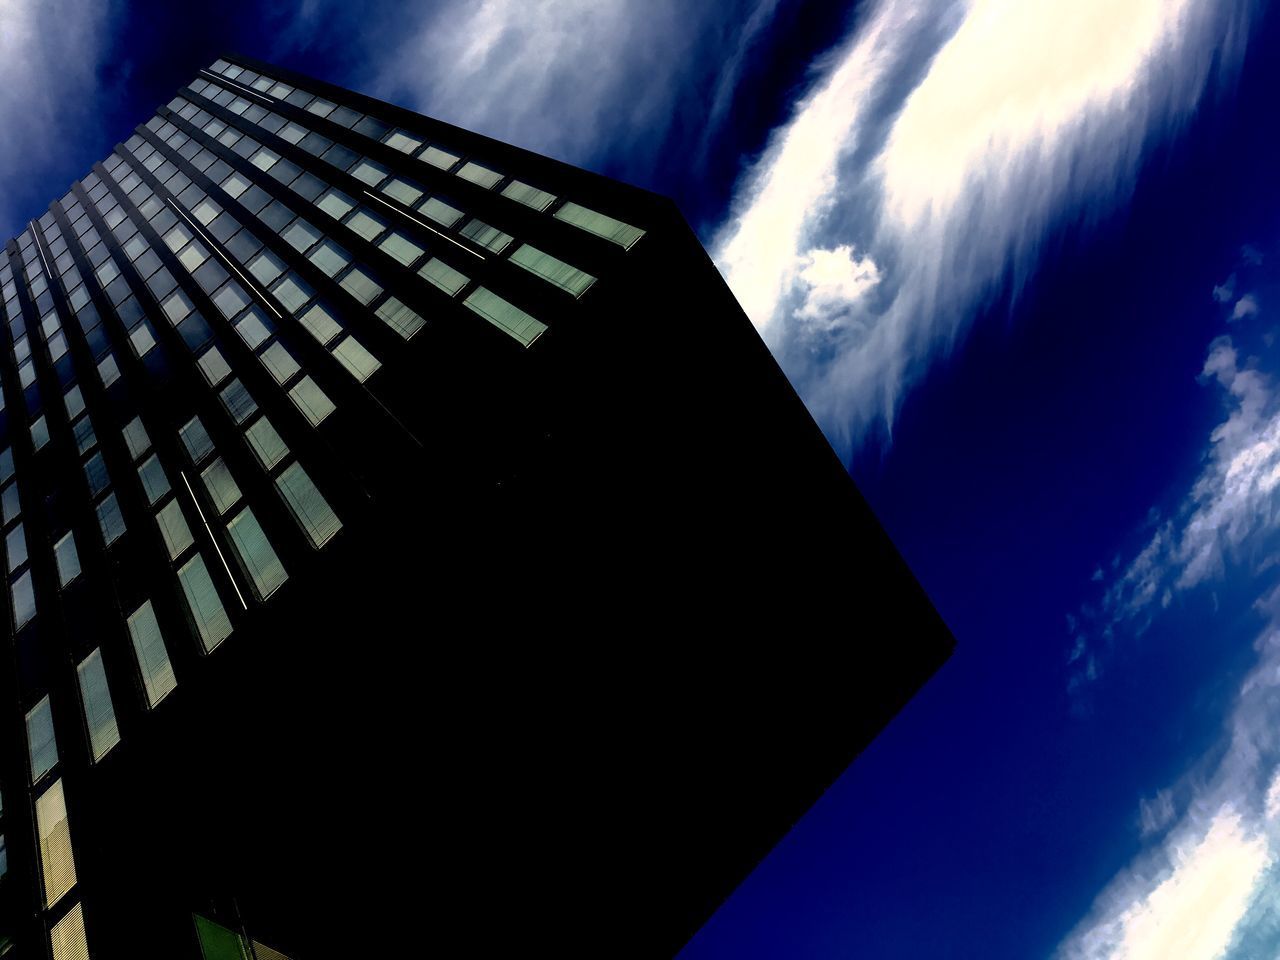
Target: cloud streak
(944, 142)
(1207, 885)
(580, 80)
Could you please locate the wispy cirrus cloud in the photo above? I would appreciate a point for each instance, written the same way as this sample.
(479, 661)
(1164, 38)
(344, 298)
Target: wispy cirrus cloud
(575, 79)
(50, 51)
(1207, 882)
(942, 144)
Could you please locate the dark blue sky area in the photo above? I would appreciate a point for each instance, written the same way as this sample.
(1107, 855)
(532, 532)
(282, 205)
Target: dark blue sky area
(994, 809)
(1003, 800)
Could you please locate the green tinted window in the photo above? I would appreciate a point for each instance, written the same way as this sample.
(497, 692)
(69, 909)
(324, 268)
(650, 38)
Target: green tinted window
(620, 233)
(563, 275)
(507, 317)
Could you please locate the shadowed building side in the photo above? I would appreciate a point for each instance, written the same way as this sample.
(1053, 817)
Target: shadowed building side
(571, 614)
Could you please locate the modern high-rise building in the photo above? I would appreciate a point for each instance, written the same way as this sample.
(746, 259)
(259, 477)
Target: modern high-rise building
(410, 546)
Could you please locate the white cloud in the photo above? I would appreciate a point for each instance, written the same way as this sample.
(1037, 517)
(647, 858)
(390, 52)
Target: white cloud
(570, 78)
(1207, 883)
(1026, 113)
(834, 283)
(49, 55)
(1225, 290)
(1231, 508)
(1246, 306)
(1190, 910)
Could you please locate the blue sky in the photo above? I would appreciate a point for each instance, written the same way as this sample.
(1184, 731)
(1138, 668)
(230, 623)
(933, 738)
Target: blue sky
(1020, 260)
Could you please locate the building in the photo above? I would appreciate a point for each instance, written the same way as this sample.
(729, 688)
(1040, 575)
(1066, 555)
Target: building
(408, 541)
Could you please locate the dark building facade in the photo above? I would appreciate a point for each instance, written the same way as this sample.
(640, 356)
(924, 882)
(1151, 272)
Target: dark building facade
(410, 546)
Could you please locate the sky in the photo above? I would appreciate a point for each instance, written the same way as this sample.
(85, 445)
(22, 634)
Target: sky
(1019, 259)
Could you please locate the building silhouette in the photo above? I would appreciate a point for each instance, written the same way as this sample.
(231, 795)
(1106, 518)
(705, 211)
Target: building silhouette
(409, 542)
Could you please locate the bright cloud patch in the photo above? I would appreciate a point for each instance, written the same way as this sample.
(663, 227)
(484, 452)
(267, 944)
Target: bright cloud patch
(570, 78)
(1025, 113)
(834, 282)
(1192, 913)
(1246, 306)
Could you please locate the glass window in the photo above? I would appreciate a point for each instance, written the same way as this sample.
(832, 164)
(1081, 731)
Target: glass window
(10, 501)
(480, 175)
(291, 132)
(330, 258)
(108, 370)
(301, 235)
(264, 159)
(66, 939)
(177, 237)
(309, 508)
(153, 658)
(74, 401)
(15, 544)
(279, 362)
(618, 232)
(366, 225)
(174, 529)
(99, 714)
(84, 435)
(213, 366)
(438, 158)
(231, 299)
(196, 439)
(206, 210)
(311, 400)
(110, 519)
(441, 212)
(235, 184)
(236, 398)
(292, 293)
(177, 306)
(443, 276)
(254, 327)
(563, 275)
(400, 318)
(507, 317)
(154, 482)
(266, 443)
(358, 361)
(266, 267)
(336, 204)
(256, 554)
(374, 129)
(40, 432)
(401, 248)
(135, 438)
(320, 325)
(193, 255)
(402, 190)
(42, 747)
(206, 608)
(369, 172)
(491, 238)
(402, 141)
(56, 860)
(64, 552)
(360, 285)
(340, 156)
(222, 487)
(321, 107)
